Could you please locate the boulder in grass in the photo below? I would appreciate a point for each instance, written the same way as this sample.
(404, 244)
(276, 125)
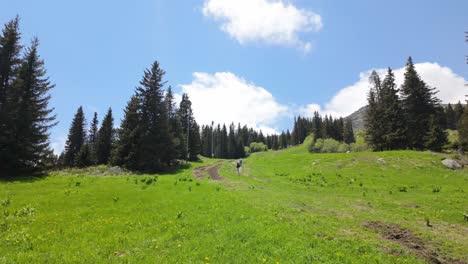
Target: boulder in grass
(452, 164)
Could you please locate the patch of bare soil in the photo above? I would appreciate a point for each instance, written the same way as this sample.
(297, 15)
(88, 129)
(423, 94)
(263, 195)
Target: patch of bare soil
(211, 169)
(407, 239)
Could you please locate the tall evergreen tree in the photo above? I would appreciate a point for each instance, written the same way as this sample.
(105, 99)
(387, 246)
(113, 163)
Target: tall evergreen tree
(436, 137)
(394, 134)
(175, 126)
(156, 138)
(374, 129)
(76, 138)
(92, 139)
(463, 130)
(105, 139)
(348, 133)
(450, 117)
(126, 151)
(419, 104)
(458, 109)
(10, 62)
(190, 129)
(30, 112)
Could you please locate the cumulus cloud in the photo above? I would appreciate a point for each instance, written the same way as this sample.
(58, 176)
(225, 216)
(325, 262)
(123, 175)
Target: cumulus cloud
(224, 97)
(451, 89)
(266, 21)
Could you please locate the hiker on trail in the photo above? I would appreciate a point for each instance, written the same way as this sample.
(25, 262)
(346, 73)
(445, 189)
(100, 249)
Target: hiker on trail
(239, 165)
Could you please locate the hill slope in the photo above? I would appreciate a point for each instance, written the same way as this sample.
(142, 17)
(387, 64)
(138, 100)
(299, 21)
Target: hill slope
(287, 206)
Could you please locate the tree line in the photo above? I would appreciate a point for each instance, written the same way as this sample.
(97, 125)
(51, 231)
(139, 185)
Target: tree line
(408, 117)
(326, 127)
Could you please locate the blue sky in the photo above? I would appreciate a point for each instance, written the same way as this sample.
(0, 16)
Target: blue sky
(96, 51)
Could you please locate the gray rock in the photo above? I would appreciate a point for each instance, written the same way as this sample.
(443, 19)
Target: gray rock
(381, 161)
(452, 164)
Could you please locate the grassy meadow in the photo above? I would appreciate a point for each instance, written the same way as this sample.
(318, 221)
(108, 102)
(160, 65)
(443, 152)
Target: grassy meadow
(287, 206)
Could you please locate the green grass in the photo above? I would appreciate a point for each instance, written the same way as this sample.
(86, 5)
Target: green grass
(288, 206)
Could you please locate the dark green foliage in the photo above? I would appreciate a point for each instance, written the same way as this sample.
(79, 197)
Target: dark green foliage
(463, 129)
(76, 138)
(458, 109)
(451, 121)
(374, 129)
(92, 139)
(104, 139)
(25, 116)
(391, 118)
(83, 158)
(436, 137)
(348, 133)
(125, 152)
(155, 139)
(175, 125)
(419, 103)
(191, 130)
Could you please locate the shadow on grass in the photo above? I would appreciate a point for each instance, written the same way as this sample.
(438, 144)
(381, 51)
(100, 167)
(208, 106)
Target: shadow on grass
(23, 177)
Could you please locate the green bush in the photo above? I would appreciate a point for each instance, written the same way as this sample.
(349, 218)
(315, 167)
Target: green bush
(257, 147)
(327, 146)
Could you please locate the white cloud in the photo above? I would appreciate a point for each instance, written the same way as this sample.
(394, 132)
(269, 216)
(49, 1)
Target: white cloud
(266, 21)
(58, 144)
(224, 97)
(351, 98)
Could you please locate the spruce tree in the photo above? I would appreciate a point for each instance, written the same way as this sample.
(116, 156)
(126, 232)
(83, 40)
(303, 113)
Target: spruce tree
(450, 117)
(105, 139)
(348, 133)
(418, 101)
(126, 151)
(156, 138)
(76, 138)
(436, 137)
(10, 62)
(190, 129)
(30, 112)
(458, 109)
(373, 125)
(463, 130)
(175, 126)
(83, 157)
(92, 139)
(394, 134)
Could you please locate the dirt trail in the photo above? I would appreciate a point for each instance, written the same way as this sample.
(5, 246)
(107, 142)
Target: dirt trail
(211, 169)
(407, 239)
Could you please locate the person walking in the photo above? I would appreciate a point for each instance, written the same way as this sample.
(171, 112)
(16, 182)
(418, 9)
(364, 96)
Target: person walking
(239, 166)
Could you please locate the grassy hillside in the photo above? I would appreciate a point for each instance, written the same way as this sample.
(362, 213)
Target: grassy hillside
(286, 207)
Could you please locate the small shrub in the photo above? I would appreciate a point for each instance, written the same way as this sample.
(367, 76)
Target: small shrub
(436, 189)
(257, 147)
(403, 189)
(6, 202)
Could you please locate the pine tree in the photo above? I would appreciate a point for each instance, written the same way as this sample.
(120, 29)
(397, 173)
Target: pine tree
(374, 129)
(458, 109)
(156, 139)
(30, 113)
(10, 62)
(92, 139)
(348, 133)
(76, 138)
(189, 126)
(463, 130)
(436, 137)
(419, 102)
(126, 151)
(83, 157)
(450, 117)
(175, 127)
(105, 139)
(394, 134)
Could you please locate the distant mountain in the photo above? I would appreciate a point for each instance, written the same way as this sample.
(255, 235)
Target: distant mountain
(357, 118)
